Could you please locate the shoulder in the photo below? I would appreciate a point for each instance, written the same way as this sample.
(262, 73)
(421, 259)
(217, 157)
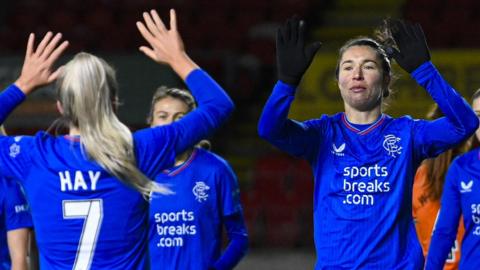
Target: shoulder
(403, 124)
(324, 120)
(37, 140)
(402, 120)
(466, 159)
(212, 161)
(209, 157)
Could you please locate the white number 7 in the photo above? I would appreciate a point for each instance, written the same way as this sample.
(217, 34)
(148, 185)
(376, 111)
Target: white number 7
(92, 212)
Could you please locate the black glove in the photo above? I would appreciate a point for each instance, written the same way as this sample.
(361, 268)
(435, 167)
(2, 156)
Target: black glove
(412, 47)
(293, 58)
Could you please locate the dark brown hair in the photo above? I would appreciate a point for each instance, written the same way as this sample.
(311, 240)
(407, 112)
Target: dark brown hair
(437, 167)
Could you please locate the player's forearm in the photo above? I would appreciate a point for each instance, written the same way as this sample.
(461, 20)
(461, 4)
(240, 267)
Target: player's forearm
(445, 230)
(238, 246)
(184, 66)
(20, 263)
(10, 98)
(272, 123)
(461, 116)
(440, 246)
(234, 252)
(17, 240)
(214, 108)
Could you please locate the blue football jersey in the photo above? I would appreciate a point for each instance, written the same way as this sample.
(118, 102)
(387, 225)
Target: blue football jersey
(461, 195)
(185, 228)
(364, 178)
(85, 218)
(14, 214)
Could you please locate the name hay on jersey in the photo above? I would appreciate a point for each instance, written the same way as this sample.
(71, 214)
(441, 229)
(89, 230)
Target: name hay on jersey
(360, 192)
(170, 231)
(76, 180)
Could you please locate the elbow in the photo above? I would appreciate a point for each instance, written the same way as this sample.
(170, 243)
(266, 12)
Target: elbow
(263, 130)
(230, 106)
(243, 244)
(466, 126)
(472, 125)
(265, 127)
(227, 107)
(221, 110)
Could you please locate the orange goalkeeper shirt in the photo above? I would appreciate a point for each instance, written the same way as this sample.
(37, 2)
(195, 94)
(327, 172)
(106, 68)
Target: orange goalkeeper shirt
(425, 213)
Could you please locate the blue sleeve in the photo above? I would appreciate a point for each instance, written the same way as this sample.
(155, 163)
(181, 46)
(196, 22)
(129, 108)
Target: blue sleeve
(14, 159)
(16, 207)
(214, 107)
(10, 98)
(459, 122)
(15, 156)
(230, 191)
(445, 230)
(238, 245)
(274, 126)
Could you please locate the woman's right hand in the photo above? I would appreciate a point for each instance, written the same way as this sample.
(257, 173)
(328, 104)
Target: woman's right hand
(166, 45)
(293, 56)
(37, 68)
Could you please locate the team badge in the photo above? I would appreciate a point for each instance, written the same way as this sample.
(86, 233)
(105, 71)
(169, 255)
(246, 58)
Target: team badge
(14, 150)
(391, 145)
(200, 190)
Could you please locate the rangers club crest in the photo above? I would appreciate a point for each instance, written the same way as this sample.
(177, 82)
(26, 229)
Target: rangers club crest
(391, 145)
(200, 190)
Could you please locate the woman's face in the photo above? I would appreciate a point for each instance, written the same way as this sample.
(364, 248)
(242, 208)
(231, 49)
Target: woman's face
(476, 108)
(167, 110)
(360, 78)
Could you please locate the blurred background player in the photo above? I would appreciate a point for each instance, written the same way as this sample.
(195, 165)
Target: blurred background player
(427, 191)
(363, 160)
(461, 196)
(87, 195)
(15, 225)
(206, 199)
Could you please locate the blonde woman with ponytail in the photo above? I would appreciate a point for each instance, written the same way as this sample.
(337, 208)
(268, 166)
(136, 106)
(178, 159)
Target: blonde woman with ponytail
(88, 190)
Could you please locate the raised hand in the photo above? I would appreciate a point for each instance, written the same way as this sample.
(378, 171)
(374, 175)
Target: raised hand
(166, 45)
(293, 58)
(412, 46)
(37, 68)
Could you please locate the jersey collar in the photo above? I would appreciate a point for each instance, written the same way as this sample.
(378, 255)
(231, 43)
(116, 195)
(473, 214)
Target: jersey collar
(178, 169)
(365, 131)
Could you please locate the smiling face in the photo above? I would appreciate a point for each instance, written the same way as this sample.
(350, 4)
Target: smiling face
(361, 79)
(168, 110)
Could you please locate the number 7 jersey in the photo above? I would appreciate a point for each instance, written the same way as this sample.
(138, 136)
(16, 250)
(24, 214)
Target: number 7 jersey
(85, 218)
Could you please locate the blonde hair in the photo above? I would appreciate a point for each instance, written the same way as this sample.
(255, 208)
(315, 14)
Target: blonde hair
(2, 131)
(87, 91)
